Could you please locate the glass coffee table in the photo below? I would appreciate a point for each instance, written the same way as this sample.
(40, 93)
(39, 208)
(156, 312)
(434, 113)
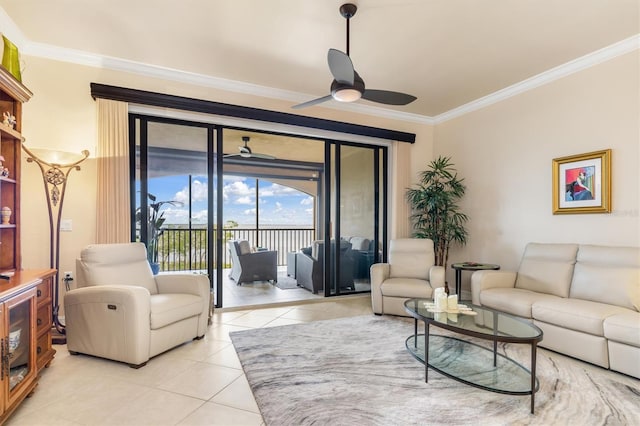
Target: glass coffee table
(469, 362)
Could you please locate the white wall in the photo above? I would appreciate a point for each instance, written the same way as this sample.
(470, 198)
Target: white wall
(505, 152)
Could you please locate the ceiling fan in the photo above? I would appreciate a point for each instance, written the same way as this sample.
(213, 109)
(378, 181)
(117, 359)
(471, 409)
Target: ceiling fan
(245, 151)
(347, 85)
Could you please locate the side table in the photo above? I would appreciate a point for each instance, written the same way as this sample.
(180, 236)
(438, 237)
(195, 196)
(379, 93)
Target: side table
(469, 266)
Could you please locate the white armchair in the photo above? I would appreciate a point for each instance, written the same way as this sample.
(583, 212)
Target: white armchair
(410, 273)
(121, 311)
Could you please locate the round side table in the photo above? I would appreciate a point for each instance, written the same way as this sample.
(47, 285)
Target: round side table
(470, 266)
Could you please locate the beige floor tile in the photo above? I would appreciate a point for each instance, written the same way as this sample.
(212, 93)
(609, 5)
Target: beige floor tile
(271, 312)
(158, 370)
(251, 320)
(197, 350)
(212, 414)
(95, 401)
(154, 408)
(202, 381)
(283, 321)
(221, 332)
(226, 357)
(238, 395)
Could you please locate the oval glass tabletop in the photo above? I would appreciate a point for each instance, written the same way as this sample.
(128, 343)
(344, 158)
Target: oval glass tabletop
(478, 321)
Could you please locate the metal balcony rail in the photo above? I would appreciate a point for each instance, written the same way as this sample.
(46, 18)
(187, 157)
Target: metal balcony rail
(184, 249)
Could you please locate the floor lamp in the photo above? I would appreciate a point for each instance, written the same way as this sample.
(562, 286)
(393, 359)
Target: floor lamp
(55, 167)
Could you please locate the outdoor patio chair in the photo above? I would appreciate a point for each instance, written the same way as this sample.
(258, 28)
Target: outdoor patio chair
(310, 267)
(247, 266)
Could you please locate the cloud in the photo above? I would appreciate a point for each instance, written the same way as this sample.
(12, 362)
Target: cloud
(307, 201)
(198, 192)
(244, 200)
(237, 188)
(278, 207)
(278, 190)
(250, 212)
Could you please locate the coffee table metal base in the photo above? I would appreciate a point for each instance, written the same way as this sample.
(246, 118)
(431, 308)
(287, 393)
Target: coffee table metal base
(473, 365)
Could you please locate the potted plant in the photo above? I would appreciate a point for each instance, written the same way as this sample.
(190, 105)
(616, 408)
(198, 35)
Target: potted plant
(155, 221)
(436, 214)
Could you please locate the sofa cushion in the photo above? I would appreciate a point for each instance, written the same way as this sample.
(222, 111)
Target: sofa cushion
(575, 314)
(411, 258)
(169, 308)
(359, 243)
(243, 247)
(121, 264)
(406, 287)
(513, 301)
(547, 268)
(623, 328)
(608, 275)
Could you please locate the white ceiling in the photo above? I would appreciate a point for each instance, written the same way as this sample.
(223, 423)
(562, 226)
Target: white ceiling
(445, 52)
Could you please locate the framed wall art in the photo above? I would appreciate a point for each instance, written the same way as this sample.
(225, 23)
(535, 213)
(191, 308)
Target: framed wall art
(582, 183)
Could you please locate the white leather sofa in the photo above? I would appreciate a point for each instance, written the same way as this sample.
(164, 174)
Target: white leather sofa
(121, 311)
(410, 273)
(585, 298)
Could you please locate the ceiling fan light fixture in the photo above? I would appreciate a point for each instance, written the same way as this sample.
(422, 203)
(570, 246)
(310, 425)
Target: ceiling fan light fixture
(347, 95)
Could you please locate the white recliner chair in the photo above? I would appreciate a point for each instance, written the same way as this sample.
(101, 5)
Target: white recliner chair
(121, 311)
(410, 273)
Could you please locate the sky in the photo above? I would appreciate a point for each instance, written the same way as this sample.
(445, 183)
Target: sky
(279, 205)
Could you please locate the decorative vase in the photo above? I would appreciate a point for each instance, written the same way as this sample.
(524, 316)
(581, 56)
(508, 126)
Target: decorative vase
(11, 59)
(5, 214)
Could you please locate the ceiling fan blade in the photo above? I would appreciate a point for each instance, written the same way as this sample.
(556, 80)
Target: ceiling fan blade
(263, 156)
(388, 97)
(341, 66)
(313, 102)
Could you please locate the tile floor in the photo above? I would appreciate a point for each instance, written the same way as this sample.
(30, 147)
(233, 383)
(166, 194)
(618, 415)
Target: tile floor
(262, 292)
(198, 383)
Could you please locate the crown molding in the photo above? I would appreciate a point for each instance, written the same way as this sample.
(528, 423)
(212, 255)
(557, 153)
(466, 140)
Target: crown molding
(607, 53)
(117, 64)
(93, 60)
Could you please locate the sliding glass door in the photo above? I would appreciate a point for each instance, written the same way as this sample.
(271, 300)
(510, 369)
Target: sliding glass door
(174, 182)
(356, 188)
(318, 204)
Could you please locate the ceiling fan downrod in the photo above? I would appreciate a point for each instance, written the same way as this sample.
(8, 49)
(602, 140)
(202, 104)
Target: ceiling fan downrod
(348, 10)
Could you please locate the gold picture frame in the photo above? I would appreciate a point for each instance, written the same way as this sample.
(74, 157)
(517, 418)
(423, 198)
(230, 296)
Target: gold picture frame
(582, 183)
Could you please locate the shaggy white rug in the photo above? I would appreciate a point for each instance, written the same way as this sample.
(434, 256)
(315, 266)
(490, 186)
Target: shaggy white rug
(357, 371)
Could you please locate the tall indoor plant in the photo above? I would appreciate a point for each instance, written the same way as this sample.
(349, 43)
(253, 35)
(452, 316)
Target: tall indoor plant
(435, 211)
(155, 221)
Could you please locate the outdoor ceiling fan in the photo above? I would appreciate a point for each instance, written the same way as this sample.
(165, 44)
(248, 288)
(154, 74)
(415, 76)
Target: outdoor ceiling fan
(245, 151)
(347, 85)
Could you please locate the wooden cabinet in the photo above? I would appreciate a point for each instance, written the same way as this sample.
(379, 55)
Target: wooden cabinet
(25, 298)
(12, 95)
(25, 335)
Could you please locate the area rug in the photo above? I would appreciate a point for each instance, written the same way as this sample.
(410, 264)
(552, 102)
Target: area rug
(357, 371)
(285, 282)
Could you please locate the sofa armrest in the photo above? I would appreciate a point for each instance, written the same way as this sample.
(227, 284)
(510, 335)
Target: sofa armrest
(196, 284)
(110, 321)
(482, 280)
(379, 273)
(436, 276)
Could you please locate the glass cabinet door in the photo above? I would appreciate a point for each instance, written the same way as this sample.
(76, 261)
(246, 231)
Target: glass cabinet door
(18, 362)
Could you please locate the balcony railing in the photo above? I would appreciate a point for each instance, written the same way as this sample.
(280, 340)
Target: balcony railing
(183, 249)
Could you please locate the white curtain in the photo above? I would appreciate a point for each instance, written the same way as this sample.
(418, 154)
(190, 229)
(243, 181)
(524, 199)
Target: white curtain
(401, 211)
(113, 202)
